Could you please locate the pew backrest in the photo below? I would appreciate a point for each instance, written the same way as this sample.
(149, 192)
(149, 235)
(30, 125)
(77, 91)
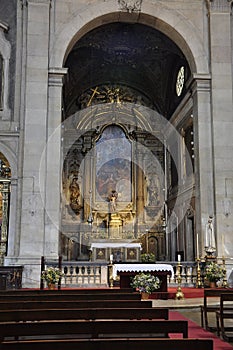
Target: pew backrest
(85, 314)
(225, 312)
(70, 296)
(45, 304)
(67, 291)
(94, 329)
(211, 303)
(113, 344)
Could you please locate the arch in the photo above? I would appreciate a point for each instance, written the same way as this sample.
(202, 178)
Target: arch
(171, 22)
(10, 156)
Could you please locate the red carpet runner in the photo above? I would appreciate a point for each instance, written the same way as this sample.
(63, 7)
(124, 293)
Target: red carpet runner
(171, 293)
(195, 331)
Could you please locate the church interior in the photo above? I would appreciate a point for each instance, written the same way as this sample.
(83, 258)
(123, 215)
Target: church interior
(116, 174)
(109, 137)
(119, 175)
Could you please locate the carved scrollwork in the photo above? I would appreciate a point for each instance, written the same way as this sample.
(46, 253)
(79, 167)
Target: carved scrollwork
(130, 5)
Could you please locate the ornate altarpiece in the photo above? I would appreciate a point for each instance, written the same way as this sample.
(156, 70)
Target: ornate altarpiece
(113, 192)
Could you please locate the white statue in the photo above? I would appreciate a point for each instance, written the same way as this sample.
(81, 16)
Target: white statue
(210, 243)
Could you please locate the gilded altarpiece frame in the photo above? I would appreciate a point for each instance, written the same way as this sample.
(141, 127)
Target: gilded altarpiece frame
(114, 183)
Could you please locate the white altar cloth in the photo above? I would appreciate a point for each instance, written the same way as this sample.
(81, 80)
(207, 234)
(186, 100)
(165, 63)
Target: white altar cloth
(115, 245)
(141, 268)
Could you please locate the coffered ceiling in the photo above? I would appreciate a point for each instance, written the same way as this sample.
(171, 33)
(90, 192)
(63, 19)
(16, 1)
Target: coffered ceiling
(120, 62)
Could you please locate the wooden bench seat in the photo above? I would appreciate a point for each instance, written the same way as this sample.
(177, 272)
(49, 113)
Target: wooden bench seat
(54, 304)
(113, 344)
(85, 314)
(209, 294)
(225, 312)
(93, 329)
(66, 297)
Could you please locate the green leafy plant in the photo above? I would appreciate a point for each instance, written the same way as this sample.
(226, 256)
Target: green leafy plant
(214, 272)
(148, 257)
(145, 283)
(52, 275)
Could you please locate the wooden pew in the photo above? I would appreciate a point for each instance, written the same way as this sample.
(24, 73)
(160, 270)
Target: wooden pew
(209, 294)
(67, 297)
(54, 304)
(113, 344)
(93, 329)
(67, 291)
(225, 312)
(85, 314)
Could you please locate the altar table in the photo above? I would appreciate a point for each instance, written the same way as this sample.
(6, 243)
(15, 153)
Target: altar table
(127, 271)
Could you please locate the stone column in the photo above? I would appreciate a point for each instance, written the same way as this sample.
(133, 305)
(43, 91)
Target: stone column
(53, 161)
(89, 177)
(220, 18)
(203, 152)
(139, 181)
(34, 138)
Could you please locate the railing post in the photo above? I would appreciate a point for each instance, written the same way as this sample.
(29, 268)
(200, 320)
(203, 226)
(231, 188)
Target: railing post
(42, 267)
(60, 268)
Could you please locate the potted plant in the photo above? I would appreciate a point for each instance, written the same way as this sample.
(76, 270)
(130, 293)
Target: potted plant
(51, 275)
(214, 273)
(148, 257)
(145, 283)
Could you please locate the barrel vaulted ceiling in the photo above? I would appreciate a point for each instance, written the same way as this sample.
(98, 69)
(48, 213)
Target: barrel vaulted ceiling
(124, 62)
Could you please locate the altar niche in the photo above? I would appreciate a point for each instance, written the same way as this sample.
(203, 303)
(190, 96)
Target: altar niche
(113, 190)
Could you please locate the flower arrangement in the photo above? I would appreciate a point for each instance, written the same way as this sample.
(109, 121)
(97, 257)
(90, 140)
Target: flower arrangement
(145, 283)
(148, 257)
(52, 275)
(214, 272)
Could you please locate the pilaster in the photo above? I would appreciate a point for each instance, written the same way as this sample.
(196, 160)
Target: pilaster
(203, 156)
(222, 110)
(36, 43)
(50, 175)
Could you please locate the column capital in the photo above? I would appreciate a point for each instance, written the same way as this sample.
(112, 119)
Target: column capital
(56, 76)
(200, 82)
(220, 5)
(25, 3)
(39, 2)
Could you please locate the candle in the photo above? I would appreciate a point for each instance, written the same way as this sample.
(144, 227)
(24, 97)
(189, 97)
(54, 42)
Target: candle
(223, 245)
(111, 258)
(197, 247)
(179, 257)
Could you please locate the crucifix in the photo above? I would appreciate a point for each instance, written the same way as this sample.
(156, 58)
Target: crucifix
(95, 91)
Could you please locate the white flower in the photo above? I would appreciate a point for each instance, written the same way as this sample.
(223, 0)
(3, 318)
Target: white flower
(52, 274)
(145, 283)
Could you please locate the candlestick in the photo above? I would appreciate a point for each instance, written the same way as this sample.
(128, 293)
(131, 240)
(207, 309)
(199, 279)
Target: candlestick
(198, 279)
(179, 293)
(197, 247)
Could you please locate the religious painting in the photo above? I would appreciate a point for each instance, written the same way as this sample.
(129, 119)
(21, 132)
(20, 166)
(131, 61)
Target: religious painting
(131, 254)
(113, 165)
(100, 254)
